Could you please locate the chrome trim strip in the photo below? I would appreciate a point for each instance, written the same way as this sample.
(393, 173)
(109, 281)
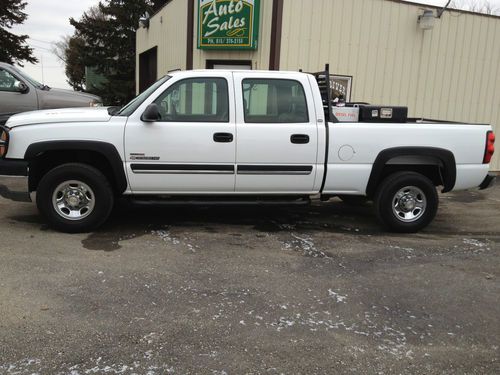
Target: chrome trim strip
(291, 173)
(180, 172)
(160, 168)
(283, 170)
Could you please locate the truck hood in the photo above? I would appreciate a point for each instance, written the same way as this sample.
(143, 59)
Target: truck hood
(51, 116)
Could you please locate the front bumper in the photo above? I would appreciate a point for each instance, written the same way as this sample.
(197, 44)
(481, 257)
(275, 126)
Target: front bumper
(488, 181)
(14, 180)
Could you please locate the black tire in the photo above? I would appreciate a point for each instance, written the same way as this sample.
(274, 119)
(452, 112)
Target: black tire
(354, 200)
(100, 193)
(416, 189)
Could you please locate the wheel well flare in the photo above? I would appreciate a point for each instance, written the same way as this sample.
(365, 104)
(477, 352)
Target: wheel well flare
(44, 156)
(435, 163)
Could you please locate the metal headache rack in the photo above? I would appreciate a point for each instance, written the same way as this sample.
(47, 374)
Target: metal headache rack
(364, 111)
(325, 88)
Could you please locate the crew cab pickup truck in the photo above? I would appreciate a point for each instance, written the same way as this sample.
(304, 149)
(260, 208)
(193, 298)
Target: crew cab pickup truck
(218, 137)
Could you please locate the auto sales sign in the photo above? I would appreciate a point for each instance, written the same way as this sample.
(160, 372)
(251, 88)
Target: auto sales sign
(228, 24)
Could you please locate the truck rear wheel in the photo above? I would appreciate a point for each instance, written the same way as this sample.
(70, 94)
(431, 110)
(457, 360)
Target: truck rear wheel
(75, 198)
(406, 202)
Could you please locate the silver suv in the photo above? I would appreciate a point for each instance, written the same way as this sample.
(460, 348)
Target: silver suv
(21, 93)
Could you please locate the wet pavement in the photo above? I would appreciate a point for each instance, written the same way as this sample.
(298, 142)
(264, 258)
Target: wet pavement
(316, 289)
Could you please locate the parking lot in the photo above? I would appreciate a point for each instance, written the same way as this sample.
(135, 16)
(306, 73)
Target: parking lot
(318, 289)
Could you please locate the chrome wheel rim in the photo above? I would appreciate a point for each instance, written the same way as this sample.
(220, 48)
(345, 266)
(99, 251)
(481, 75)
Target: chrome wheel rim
(73, 200)
(409, 204)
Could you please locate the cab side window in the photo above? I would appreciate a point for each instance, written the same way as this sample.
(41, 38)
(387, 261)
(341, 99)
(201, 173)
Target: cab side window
(8, 82)
(195, 100)
(274, 101)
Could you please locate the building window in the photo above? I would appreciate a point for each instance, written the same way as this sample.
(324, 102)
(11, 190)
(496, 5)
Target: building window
(195, 100)
(229, 64)
(274, 101)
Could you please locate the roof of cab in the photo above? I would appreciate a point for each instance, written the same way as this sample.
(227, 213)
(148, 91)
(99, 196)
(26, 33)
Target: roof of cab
(187, 72)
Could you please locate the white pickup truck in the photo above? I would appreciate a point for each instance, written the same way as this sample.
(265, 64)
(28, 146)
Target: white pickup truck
(219, 137)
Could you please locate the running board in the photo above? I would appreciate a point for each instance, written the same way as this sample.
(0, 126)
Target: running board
(219, 202)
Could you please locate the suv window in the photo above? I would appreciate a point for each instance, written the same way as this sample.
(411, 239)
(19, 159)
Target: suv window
(8, 81)
(195, 100)
(274, 101)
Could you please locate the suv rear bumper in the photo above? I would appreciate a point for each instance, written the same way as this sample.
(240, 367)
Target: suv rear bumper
(488, 181)
(14, 180)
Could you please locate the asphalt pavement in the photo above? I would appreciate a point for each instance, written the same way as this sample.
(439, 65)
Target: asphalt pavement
(319, 289)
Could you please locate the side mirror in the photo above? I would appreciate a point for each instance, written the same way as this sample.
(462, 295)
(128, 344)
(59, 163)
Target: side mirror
(21, 87)
(151, 113)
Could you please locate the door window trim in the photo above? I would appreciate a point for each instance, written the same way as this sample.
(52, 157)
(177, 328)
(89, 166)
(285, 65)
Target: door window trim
(274, 79)
(200, 78)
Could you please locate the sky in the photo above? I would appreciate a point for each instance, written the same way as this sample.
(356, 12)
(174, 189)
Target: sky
(48, 22)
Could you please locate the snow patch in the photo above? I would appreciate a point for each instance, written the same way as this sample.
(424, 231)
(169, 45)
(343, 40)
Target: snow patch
(167, 237)
(336, 296)
(305, 245)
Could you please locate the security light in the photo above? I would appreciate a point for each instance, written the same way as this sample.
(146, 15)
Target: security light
(144, 20)
(426, 20)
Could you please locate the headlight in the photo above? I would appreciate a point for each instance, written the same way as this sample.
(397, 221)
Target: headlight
(95, 103)
(4, 141)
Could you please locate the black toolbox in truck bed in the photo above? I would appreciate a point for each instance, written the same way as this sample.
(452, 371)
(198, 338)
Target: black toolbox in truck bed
(379, 113)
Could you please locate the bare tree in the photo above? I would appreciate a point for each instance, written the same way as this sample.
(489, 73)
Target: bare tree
(480, 6)
(490, 9)
(59, 48)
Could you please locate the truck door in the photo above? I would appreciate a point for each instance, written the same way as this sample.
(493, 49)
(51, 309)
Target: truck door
(192, 148)
(277, 136)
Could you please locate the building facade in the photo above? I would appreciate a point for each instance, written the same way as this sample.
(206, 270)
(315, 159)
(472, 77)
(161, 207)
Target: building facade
(444, 68)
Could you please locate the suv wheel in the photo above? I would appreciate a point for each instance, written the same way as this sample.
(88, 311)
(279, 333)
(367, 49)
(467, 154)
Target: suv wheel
(406, 202)
(75, 198)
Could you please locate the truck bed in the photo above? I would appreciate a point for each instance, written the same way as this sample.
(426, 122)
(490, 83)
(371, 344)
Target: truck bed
(354, 147)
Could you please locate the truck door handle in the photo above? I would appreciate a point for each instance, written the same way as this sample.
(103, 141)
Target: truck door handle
(299, 138)
(223, 137)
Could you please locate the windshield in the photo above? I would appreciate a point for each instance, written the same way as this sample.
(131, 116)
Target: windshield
(137, 101)
(27, 77)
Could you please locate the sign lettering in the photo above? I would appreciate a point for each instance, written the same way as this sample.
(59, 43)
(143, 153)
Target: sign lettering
(228, 24)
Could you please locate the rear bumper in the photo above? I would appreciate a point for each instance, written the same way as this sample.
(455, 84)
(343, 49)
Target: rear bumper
(488, 181)
(14, 180)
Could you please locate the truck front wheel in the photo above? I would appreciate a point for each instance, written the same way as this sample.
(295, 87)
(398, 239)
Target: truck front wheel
(406, 202)
(74, 198)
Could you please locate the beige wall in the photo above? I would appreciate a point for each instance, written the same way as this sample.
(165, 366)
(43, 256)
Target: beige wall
(450, 72)
(259, 57)
(168, 31)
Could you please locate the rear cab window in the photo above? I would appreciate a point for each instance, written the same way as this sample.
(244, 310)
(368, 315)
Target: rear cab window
(274, 101)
